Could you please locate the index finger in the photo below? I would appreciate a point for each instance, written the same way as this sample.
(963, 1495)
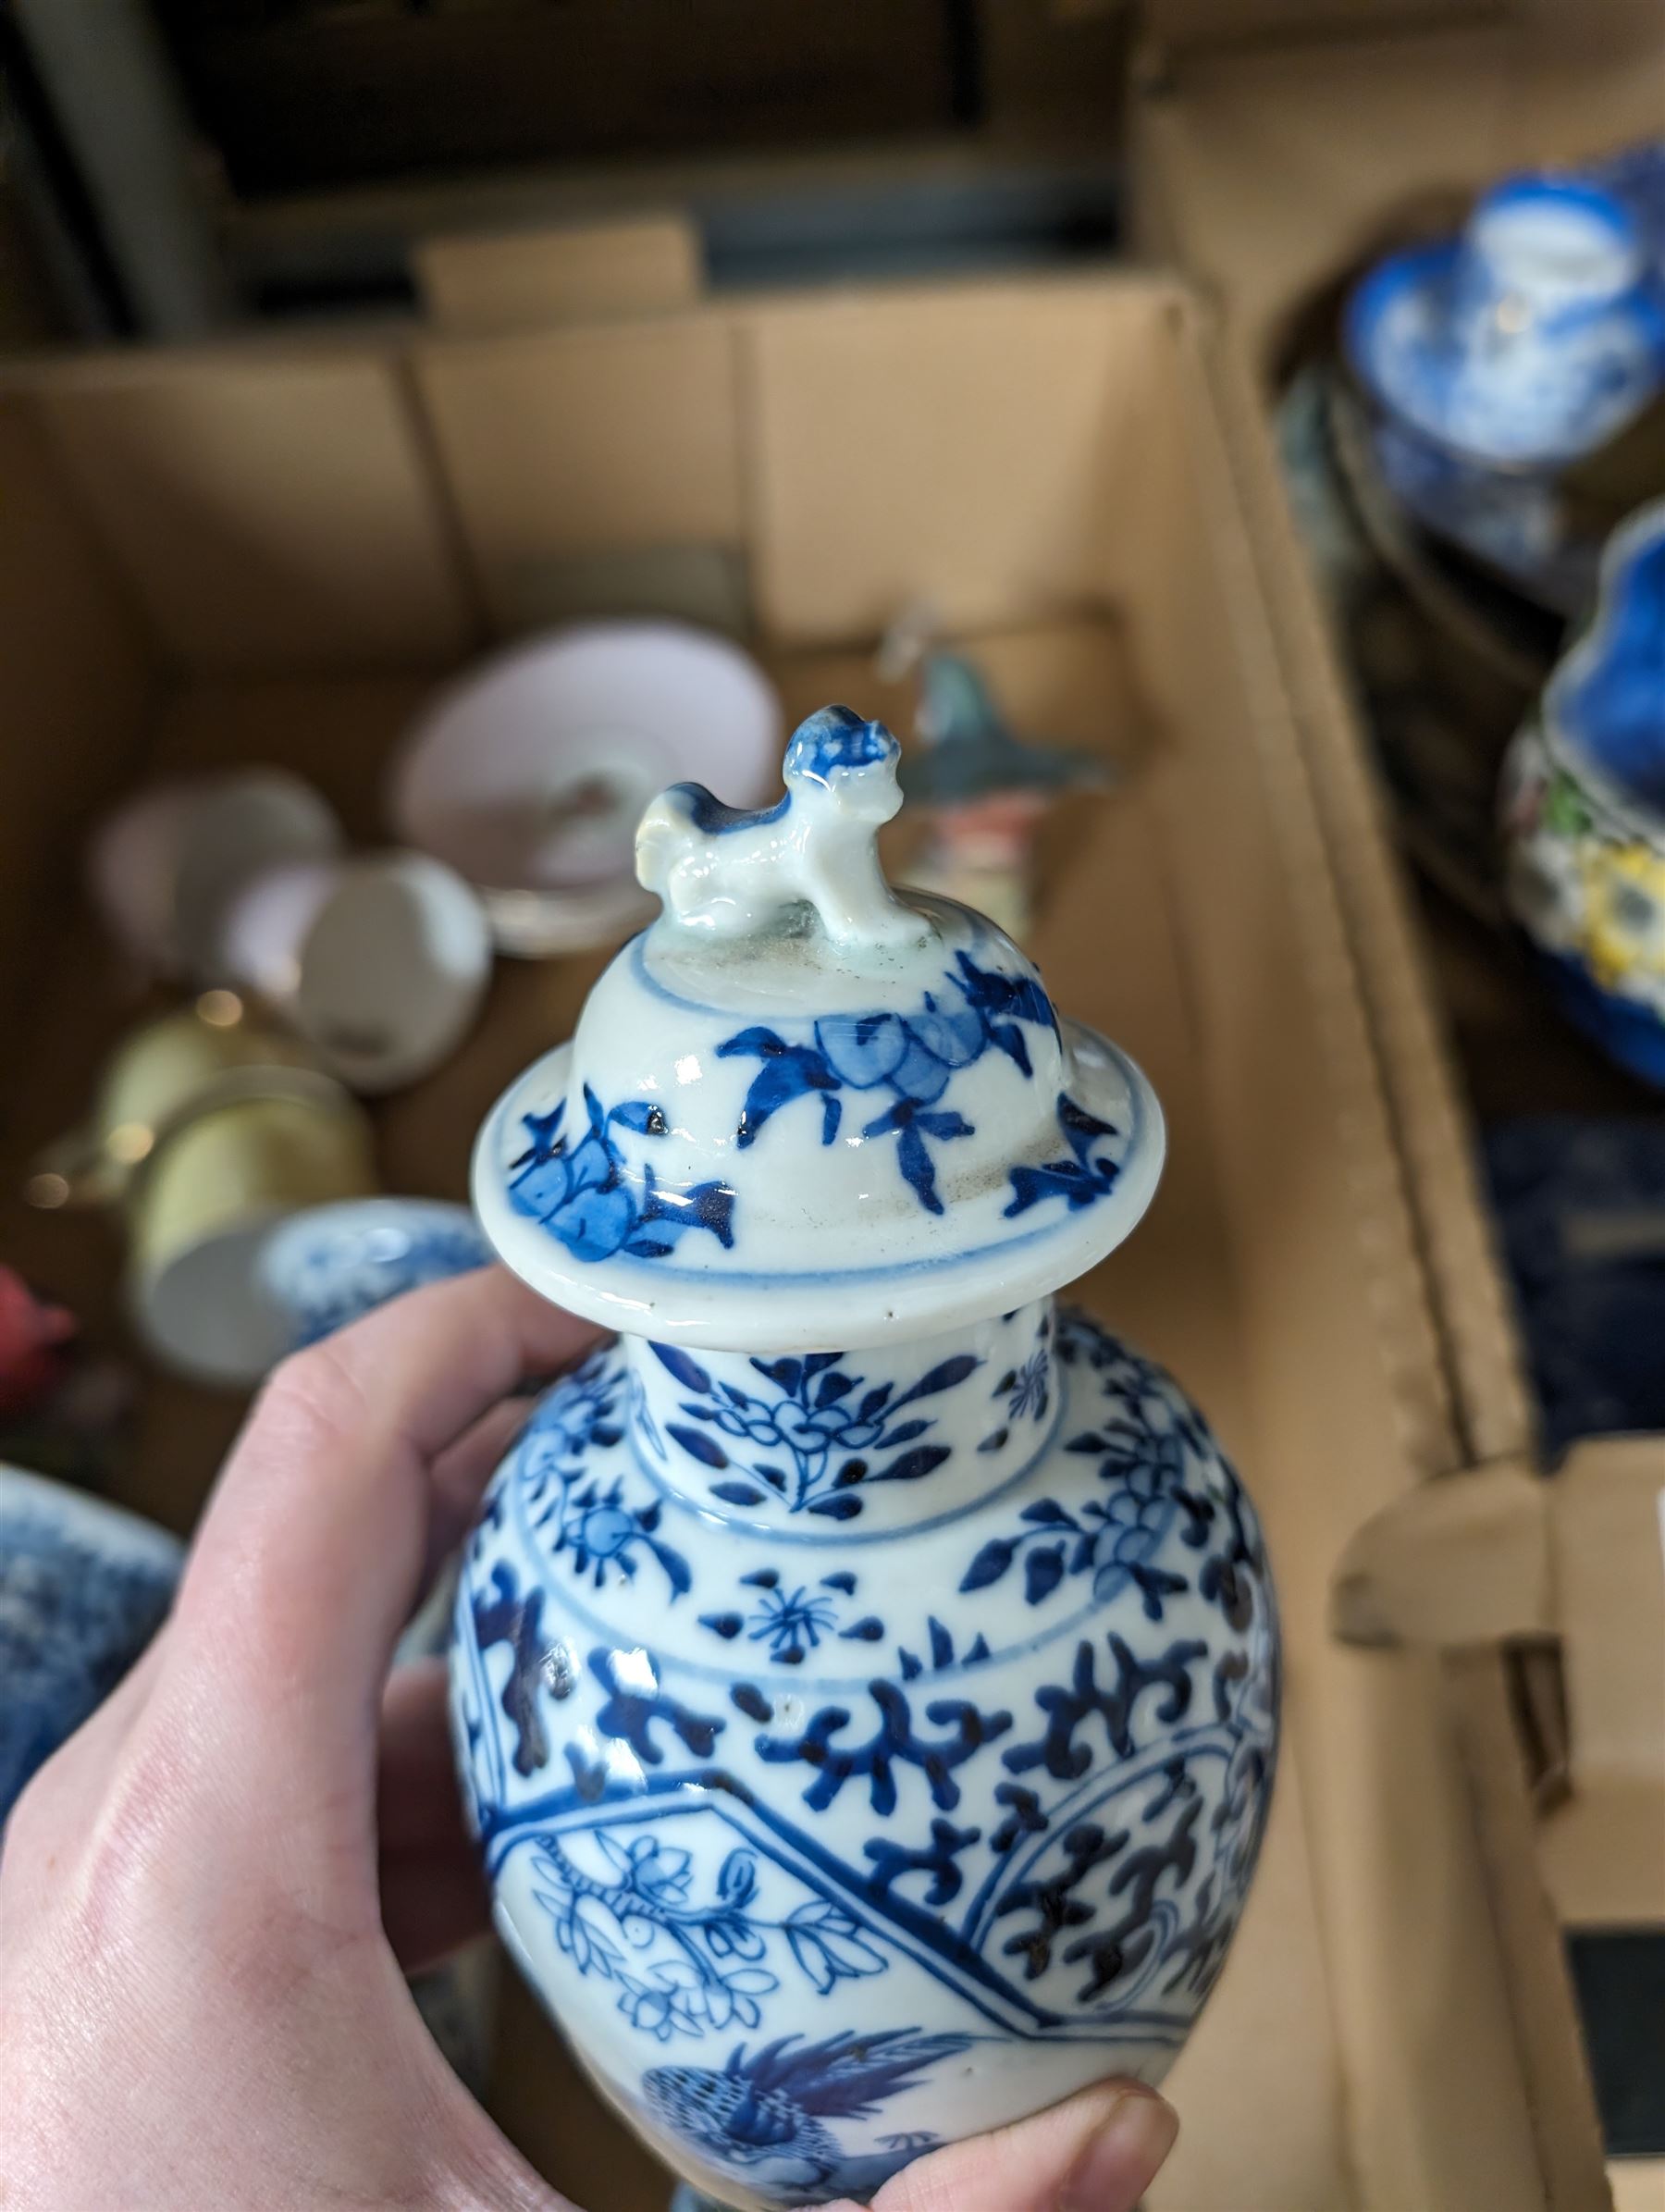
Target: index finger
(311, 1553)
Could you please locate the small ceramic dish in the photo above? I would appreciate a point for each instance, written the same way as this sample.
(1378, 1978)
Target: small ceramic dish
(201, 1211)
(1584, 813)
(84, 1587)
(530, 774)
(1525, 343)
(164, 866)
(380, 962)
(333, 1264)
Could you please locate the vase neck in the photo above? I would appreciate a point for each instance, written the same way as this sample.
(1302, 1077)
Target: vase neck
(860, 1442)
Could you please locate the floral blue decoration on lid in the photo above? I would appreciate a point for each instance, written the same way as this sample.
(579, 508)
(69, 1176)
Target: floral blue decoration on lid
(800, 1083)
(1529, 341)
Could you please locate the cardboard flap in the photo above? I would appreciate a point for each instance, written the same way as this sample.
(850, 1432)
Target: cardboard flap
(527, 279)
(976, 428)
(269, 511)
(1242, 22)
(591, 441)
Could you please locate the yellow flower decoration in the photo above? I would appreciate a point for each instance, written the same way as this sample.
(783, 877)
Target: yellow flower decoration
(1624, 911)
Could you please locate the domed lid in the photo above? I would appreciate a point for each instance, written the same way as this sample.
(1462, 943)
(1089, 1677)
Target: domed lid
(802, 1111)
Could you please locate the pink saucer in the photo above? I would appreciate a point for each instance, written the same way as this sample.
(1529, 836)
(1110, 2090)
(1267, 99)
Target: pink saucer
(529, 775)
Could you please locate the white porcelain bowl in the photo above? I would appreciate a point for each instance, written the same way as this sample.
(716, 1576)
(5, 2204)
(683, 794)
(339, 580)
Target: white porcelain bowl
(163, 867)
(380, 961)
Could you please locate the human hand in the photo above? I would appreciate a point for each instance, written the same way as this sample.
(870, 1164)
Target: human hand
(210, 1897)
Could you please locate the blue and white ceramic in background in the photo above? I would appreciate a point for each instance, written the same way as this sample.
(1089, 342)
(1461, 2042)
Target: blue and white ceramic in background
(865, 1676)
(1513, 520)
(1583, 812)
(84, 1587)
(1529, 341)
(1636, 175)
(332, 1265)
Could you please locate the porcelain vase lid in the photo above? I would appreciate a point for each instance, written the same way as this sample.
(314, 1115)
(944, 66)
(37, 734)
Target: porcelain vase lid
(804, 1106)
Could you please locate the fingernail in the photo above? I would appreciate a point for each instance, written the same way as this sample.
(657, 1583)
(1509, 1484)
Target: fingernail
(1121, 2158)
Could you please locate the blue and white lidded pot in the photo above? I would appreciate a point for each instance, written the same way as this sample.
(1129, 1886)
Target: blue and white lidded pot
(1582, 803)
(1498, 359)
(865, 1673)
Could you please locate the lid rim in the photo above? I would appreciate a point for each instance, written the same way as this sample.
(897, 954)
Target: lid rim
(749, 1311)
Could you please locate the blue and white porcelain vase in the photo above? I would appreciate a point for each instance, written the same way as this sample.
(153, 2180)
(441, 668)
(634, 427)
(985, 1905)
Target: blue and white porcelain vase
(865, 1673)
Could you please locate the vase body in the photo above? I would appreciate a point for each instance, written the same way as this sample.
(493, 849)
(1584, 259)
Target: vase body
(866, 1749)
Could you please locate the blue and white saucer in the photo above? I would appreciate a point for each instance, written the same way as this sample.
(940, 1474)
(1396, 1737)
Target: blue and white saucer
(331, 1265)
(1525, 343)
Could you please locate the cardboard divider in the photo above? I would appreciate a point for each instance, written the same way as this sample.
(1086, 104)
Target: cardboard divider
(77, 677)
(1232, 23)
(1047, 461)
(955, 444)
(266, 511)
(1246, 177)
(564, 443)
(525, 280)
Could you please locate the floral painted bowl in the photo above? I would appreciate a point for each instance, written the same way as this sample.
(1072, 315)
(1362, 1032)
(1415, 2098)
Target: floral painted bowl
(330, 1264)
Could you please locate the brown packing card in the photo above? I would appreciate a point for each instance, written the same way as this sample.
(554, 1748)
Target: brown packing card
(267, 511)
(598, 440)
(1244, 175)
(529, 279)
(1225, 23)
(1051, 459)
(79, 678)
(1229, 23)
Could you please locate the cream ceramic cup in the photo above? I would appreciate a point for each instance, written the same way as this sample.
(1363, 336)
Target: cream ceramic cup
(200, 1213)
(380, 962)
(163, 868)
(161, 1072)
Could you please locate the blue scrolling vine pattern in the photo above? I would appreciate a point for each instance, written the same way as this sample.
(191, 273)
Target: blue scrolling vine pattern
(1103, 1860)
(817, 1439)
(1147, 1441)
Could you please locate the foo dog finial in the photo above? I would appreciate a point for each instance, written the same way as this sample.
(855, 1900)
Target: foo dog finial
(732, 874)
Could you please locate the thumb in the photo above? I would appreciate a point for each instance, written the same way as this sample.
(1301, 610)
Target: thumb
(1097, 2152)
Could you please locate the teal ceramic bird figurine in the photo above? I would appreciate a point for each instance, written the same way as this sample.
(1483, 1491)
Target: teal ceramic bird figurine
(986, 789)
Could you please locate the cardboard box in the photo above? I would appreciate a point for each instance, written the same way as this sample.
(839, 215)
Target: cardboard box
(1247, 181)
(269, 553)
